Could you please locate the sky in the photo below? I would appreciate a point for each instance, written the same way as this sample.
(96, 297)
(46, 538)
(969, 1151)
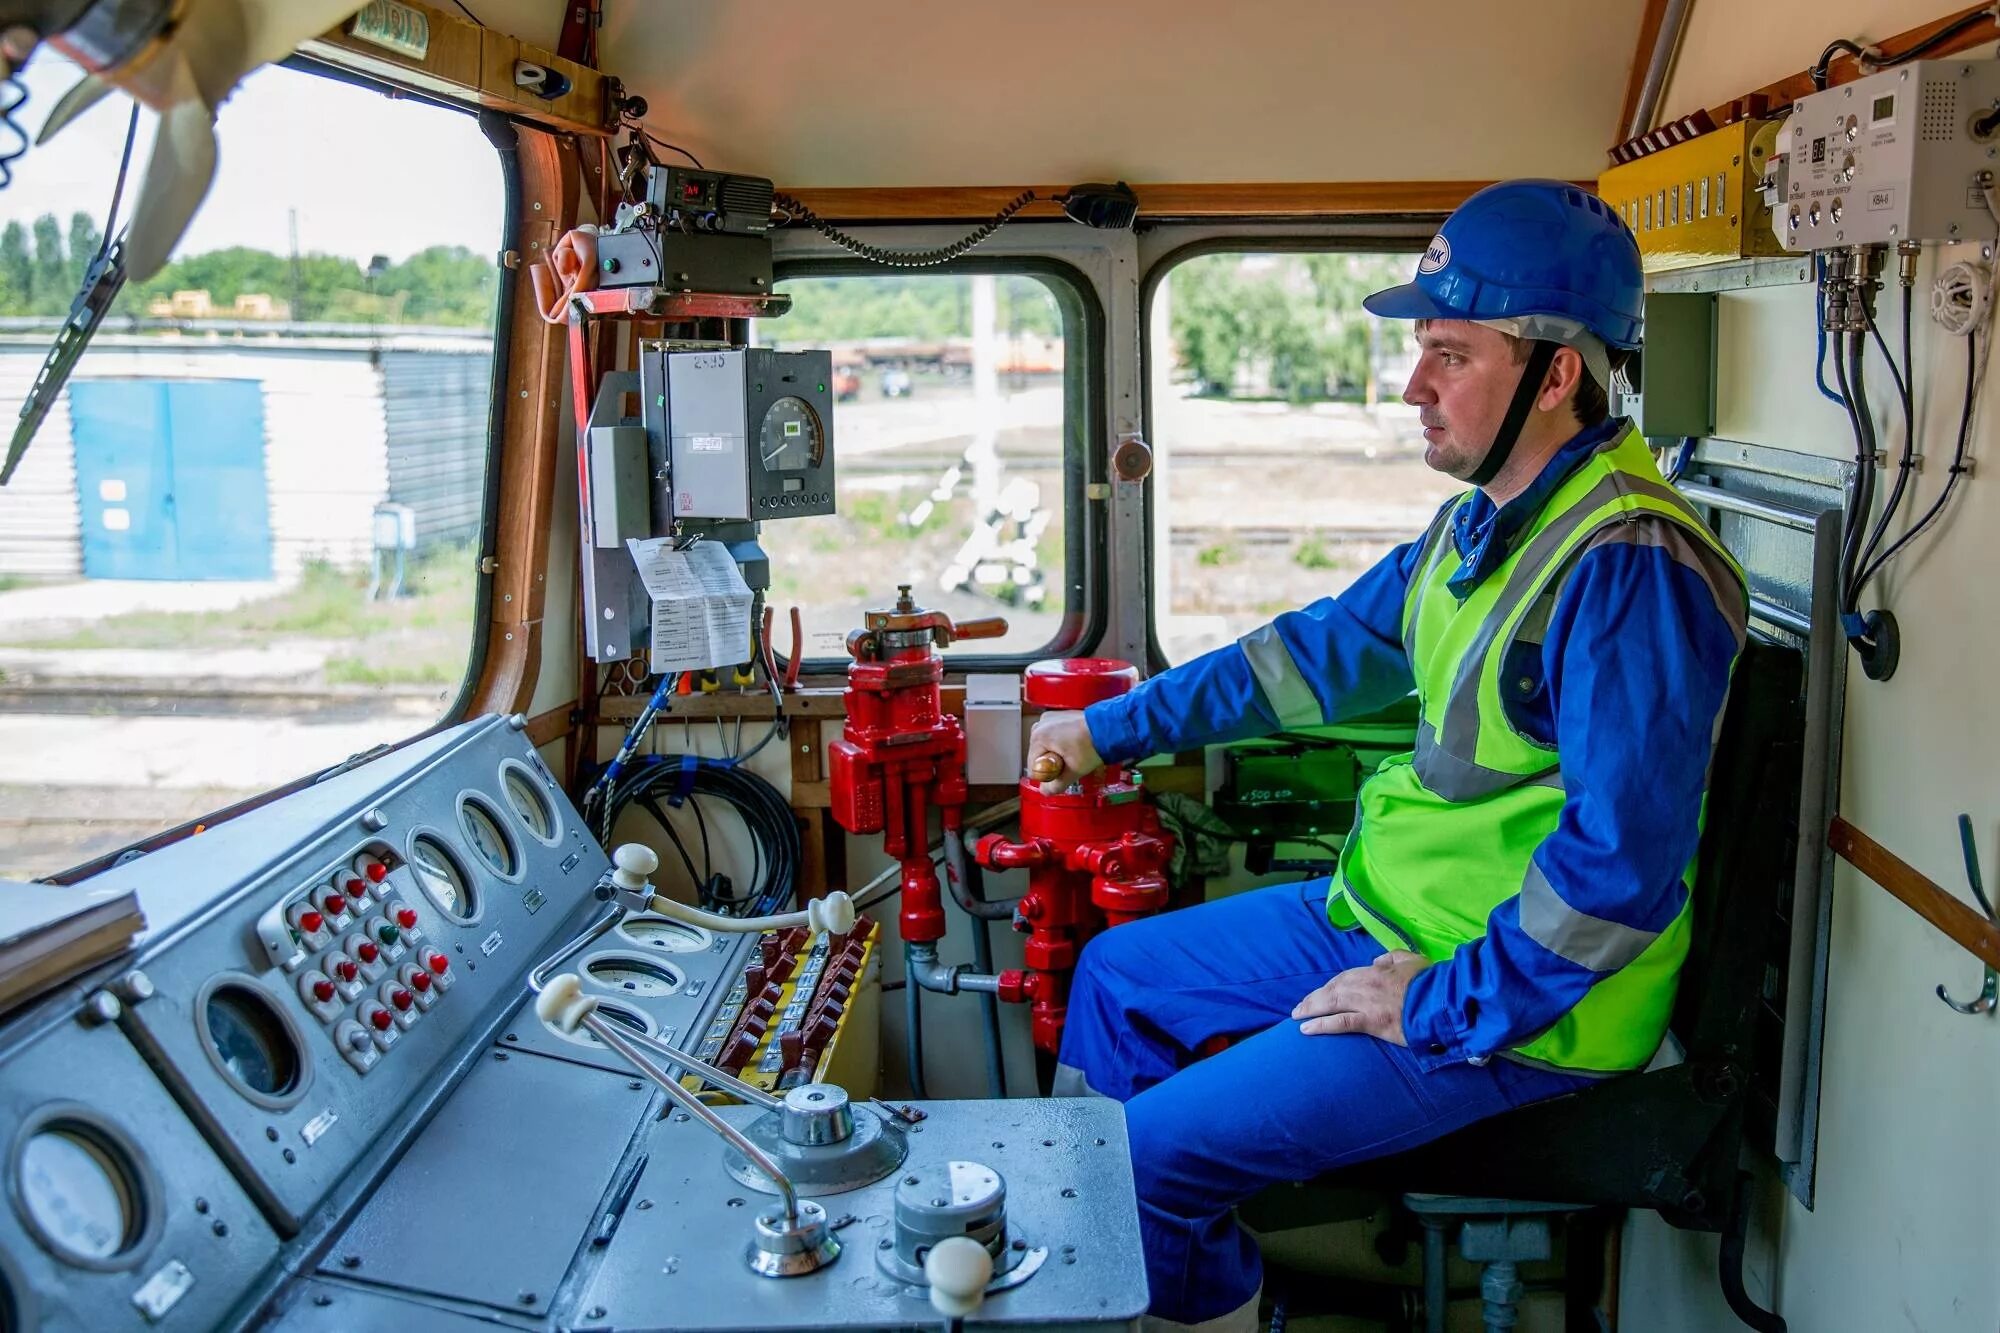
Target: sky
(367, 175)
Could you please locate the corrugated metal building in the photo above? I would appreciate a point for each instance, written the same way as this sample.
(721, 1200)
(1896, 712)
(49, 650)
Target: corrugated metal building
(161, 447)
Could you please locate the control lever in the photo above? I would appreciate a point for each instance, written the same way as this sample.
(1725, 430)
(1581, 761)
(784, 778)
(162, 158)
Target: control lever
(790, 1244)
(629, 885)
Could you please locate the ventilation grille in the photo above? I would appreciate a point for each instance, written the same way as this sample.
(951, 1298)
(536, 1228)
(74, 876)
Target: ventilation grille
(1937, 118)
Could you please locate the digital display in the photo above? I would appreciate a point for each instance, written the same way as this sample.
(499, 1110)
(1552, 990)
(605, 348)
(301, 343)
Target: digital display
(1883, 109)
(1818, 151)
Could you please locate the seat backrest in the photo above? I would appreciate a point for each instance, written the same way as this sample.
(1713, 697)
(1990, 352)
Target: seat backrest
(1744, 869)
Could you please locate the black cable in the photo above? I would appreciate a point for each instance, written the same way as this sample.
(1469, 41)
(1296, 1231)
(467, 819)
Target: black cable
(707, 862)
(652, 807)
(1964, 23)
(1906, 463)
(671, 147)
(1838, 44)
(1861, 495)
(1958, 467)
(468, 13)
(798, 212)
(775, 849)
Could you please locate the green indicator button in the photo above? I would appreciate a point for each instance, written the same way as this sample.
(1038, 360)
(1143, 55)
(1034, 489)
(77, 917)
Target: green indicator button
(388, 934)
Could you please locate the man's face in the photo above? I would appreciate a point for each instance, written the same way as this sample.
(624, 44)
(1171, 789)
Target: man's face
(1465, 377)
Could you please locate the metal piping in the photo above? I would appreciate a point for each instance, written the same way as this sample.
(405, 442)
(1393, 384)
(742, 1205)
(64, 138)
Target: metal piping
(1672, 23)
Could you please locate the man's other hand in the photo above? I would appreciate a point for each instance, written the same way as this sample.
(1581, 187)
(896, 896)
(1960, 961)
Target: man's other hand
(1363, 999)
(1065, 736)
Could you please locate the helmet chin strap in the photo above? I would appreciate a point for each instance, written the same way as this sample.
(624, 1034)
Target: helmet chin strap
(1540, 357)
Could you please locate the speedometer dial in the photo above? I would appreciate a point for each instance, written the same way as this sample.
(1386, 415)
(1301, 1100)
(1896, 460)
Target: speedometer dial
(527, 800)
(792, 437)
(80, 1192)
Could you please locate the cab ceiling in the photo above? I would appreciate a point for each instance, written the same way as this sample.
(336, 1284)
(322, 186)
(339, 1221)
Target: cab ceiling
(875, 93)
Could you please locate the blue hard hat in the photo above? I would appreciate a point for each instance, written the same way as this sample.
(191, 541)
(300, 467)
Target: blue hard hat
(1528, 247)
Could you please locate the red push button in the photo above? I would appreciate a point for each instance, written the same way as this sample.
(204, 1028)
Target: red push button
(335, 904)
(401, 998)
(367, 952)
(440, 964)
(379, 1019)
(323, 991)
(355, 888)
(377, 872)
(311, 922)
(406, 917)
(420, 981)
(346, 970)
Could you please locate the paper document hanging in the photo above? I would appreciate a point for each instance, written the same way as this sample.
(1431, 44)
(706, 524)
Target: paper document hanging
(701, 605)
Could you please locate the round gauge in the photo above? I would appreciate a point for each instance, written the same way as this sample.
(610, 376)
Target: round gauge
(489, 841)
(528, 801)
(252, 1043)
(443, 880)
(81, 1191)
(635, 975)
(617, 1013)
(664, 933)
(792, 436)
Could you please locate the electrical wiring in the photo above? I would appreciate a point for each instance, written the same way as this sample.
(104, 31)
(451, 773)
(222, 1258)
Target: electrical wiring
(767, 817)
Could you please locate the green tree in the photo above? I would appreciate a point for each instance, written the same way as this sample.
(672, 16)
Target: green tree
(52, 287)
(84, 241)
(17, 271)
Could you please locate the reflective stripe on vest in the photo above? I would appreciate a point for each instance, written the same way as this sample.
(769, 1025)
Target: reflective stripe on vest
(1447, 833)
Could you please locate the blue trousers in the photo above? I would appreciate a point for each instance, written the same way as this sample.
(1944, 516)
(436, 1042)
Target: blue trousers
(1275, 1106)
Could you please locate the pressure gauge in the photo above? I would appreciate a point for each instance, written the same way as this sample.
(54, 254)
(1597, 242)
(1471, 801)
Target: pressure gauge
(666, 934)
(635, 975)
(488, 840)
(441, 878)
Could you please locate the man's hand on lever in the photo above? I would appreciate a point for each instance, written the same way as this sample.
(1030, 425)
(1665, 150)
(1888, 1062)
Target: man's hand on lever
(1363, 999)
(1061, 752)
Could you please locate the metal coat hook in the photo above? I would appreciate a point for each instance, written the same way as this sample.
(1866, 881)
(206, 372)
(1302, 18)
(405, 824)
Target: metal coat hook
(1989, 994)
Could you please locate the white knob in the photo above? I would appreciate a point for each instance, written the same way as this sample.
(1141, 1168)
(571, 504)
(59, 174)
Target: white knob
(833, 914)
(635, 862)
(958, 1269)
(562, 1004)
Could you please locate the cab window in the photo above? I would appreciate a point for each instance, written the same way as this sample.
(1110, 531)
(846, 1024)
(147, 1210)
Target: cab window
(242, 546)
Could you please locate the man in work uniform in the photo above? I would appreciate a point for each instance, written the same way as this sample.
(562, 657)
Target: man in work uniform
(1510, 912)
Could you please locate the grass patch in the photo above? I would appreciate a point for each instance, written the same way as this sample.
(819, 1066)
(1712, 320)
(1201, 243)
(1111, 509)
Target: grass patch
(1312, 554)
(422, 637)
(1216, 556)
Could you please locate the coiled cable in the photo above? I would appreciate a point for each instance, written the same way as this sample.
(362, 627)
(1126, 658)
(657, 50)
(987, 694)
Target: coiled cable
(15, 94)
(876, 254)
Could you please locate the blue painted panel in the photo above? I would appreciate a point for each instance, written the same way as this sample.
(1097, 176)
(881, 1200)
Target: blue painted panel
(170, 478)
(124, 478)
(222, 516)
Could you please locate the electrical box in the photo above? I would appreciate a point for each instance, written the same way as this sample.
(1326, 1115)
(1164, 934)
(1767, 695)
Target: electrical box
(1673, 376)
(1896, 156)
(742, 433)
(1697, 202)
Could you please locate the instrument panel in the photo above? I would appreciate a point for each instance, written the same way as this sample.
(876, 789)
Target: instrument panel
(318, 1055)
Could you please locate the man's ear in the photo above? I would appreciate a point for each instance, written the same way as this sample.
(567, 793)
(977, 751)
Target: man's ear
(1565, 373)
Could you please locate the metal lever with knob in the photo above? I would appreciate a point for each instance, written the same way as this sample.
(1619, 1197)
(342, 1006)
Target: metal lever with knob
(796, 1242)
(629, 884)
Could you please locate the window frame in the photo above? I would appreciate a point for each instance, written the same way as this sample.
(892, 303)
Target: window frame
(1399, 235)
(1086, 608)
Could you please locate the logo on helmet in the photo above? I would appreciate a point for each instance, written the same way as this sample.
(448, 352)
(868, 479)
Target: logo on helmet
(1437, 256)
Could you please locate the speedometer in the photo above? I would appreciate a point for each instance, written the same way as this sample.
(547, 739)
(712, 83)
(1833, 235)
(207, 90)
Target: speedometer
(666, 934)
(792, 437)
(635, 975)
